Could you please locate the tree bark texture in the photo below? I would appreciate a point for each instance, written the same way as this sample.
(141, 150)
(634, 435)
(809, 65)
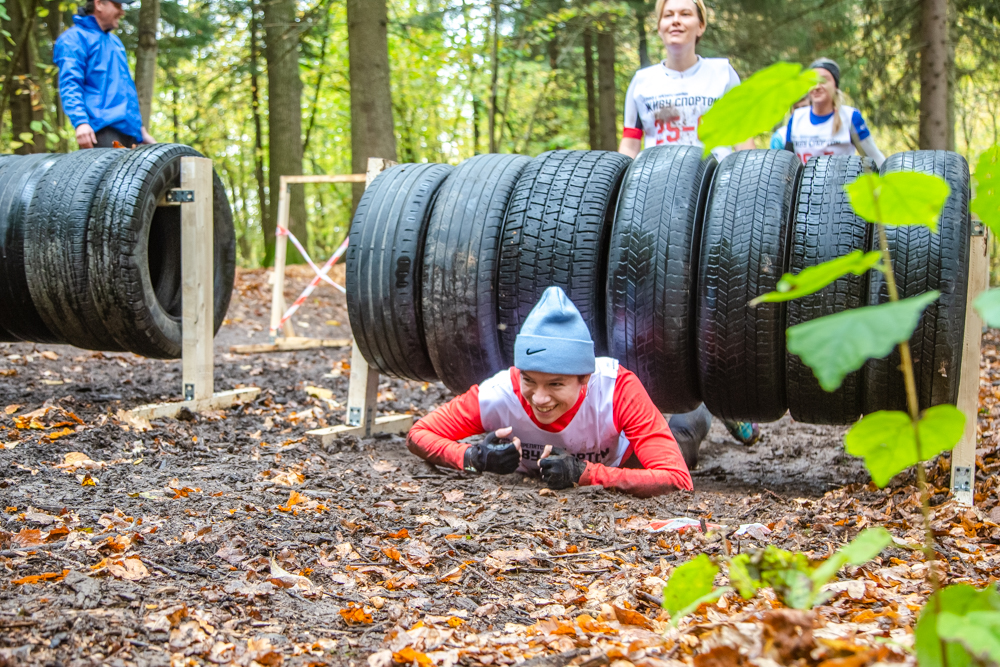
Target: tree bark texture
(372, 131)
(266, 221)
(934, 75)
(145, 57)
(640, 27)
(54, 21)
(22, 92)
(606, 90)
(495, 66)
(588, 73)
(284, 113)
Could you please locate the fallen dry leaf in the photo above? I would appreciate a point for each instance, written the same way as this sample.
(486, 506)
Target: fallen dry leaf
(50, 355)
(130, 569)
(38, 578)
(27, 537)
(55, 435)
(384, 466)
(11, 409)
(285, 579)
(453, 496)
(355, 615)
(73, 461)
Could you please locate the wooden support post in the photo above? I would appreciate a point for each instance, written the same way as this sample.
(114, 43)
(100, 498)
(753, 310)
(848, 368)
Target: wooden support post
(280, 252)
(963, 457)
(362, 394)
(197, 294)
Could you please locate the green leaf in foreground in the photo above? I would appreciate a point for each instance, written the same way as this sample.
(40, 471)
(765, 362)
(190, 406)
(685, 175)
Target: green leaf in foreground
(755, 106)
(814, 278)
(885, 439)
(986, 203)
(868, 544)
(902, 197)
(689, 586)
(953, 616)
(836, 345)
(987, 305)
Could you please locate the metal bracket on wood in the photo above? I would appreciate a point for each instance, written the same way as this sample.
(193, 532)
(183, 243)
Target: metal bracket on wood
(978, 229)
(962, 480)
(178, 196)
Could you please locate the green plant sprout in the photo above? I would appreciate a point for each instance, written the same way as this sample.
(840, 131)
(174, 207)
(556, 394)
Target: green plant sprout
(960, 625)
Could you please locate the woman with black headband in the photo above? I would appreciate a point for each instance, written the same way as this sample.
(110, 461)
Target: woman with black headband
(827, 126)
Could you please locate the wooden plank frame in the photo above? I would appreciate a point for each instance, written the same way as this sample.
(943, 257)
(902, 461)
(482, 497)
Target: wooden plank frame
(963, 457)
(362, 393)
(198, 314)
(278, 305)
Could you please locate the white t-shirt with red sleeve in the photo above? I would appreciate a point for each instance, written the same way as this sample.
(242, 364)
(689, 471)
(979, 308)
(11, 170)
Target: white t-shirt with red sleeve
(613, 422)
(665, 106)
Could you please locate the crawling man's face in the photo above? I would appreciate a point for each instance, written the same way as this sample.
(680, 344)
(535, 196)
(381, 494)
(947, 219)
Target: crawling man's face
(551, 395)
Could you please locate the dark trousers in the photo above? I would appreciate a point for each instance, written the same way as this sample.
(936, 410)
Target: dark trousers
(691, 427)
(108, 135)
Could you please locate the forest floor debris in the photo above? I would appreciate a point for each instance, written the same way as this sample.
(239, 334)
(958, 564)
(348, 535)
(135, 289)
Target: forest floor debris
(231, 537)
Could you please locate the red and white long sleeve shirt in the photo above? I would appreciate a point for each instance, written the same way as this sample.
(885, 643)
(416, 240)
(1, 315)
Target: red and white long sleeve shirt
(613, 421)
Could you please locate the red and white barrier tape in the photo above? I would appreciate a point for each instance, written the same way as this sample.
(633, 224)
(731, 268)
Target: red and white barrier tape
(320, 275)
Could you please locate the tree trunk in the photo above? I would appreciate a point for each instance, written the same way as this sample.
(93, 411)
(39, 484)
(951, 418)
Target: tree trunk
(495, 65)
(55, 24)
(266, 221)
(284, 113)
(640, 26)
(20, 75)
(606, 89)
(372, 131)
(145, 57)
(934, 76)
(588, 73)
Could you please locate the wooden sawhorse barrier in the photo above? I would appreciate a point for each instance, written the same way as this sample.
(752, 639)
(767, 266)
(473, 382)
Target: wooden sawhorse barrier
(963, 457)
(194, 196)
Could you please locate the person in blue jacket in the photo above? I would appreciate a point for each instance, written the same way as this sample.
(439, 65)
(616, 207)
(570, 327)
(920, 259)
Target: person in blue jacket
(95, 85)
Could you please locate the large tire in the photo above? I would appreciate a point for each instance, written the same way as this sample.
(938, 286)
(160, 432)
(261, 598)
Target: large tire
(19, 319)
(555, 233)
(744, 252)
(55, 248)
(923, 261)
(385, 267)
(826, 228)
(652, 265)
(461, 256)
(134, 251)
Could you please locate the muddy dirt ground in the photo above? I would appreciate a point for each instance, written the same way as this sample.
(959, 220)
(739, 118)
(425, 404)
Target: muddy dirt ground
(233, 538)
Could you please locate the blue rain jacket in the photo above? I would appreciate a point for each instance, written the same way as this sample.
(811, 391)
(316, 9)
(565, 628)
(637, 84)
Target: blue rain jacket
(95, 84)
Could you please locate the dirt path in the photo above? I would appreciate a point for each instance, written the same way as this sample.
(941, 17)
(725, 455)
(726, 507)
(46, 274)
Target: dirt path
(184, 544)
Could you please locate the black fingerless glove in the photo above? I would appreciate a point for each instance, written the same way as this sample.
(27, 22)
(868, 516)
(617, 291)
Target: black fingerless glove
(561, 470)
(493, 454)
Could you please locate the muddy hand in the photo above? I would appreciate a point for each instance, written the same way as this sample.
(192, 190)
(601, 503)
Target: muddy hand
(560, 469)
(495, 453)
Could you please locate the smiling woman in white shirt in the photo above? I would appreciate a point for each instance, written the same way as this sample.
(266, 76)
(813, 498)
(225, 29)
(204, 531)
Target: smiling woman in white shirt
(827, 126)
(665, 102)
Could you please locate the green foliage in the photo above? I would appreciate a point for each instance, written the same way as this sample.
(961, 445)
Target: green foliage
(814, 278)
(987, 200)
(3, 14)
(838, 344)
(689, 586)
(795, 580)
(965, 623)
(885, 439)
(754, 106)
(899, 198)
(987, 305)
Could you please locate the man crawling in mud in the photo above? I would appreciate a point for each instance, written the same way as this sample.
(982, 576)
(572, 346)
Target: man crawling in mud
(560, 411)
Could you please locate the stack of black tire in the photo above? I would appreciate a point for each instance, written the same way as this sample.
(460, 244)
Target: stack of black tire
(662, 256)
(90, 257)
